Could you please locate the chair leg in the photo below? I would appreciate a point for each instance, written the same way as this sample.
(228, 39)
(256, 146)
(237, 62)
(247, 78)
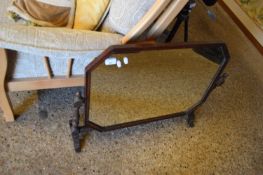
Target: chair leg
(5, 104)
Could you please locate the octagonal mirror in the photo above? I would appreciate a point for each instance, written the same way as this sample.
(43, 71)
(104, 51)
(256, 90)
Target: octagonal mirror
(138, 82)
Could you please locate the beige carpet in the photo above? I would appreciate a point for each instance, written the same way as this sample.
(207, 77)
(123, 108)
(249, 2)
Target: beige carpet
(227, 138)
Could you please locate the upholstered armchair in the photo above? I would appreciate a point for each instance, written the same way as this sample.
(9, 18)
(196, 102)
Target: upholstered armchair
(34, 58)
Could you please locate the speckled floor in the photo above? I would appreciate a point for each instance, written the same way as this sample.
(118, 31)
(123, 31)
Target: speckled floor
(227, 138)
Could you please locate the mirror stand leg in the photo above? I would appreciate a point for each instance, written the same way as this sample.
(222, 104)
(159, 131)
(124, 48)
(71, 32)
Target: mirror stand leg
(74, 123)
(75, 132)
(76, 138)
(190, 119)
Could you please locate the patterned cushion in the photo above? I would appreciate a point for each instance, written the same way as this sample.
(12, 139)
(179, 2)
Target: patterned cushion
(125, 14)
(48, 13)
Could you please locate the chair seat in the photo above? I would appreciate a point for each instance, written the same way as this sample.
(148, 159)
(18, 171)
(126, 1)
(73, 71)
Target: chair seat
(54, 42)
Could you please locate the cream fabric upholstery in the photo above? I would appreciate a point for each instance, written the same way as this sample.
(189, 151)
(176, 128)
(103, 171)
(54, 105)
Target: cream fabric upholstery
(125, 14)
(24, 65)
(3, 12)
(54, 42)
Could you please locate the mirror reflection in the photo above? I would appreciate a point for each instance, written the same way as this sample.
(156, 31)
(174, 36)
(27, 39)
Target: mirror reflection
(148, 84)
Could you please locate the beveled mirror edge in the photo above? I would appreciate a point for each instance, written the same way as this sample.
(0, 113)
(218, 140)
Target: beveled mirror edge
(133, 48)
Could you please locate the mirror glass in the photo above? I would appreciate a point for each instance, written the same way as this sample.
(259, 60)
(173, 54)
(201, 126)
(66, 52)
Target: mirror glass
(150, 84)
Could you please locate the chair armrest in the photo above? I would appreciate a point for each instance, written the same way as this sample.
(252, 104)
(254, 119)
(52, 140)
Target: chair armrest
(46, 41)
(146, 21)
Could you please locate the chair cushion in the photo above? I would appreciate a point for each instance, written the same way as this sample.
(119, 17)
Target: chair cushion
(43, 12)
(90, 13)
(125, 14)
(46, 41)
